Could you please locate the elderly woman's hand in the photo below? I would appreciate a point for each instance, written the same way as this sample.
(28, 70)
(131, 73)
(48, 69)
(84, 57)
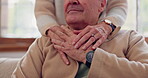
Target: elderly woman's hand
(95, 35)
(67, 47)
(52, 35)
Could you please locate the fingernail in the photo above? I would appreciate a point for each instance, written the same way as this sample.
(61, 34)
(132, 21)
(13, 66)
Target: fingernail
(67, 63)
(93, 47)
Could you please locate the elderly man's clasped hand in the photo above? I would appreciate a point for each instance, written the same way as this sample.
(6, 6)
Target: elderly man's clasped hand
(64, 45)
(71, 43)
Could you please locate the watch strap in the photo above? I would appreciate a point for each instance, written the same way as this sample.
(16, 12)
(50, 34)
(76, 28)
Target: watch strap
(88, 64)
(113, 27)
(108, 22)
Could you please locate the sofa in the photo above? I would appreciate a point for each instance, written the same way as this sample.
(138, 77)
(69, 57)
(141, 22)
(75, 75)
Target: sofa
(7, 66)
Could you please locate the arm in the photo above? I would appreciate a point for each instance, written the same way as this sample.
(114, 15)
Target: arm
(115, 65)
(46, 18)
(30, 66)
(116, 11)
(45, 15)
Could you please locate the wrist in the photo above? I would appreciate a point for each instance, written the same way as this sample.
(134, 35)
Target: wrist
(107, 27)
(110, 24)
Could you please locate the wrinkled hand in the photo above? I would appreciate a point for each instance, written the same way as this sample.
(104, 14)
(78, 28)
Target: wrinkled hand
(51, 33)
(67, 47)
(92, 34)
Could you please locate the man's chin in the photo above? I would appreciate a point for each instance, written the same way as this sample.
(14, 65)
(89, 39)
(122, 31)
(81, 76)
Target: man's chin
(76, 27)
(74, 17)
(72, 20)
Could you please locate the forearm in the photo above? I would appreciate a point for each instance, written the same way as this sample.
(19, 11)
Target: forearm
(45, 15)
(116, 11)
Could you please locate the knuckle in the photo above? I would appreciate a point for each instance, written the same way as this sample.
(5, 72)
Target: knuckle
(103, 38)
(93, 39)
(98, 43)
(49, 32)
(88, 27)
(93, 30)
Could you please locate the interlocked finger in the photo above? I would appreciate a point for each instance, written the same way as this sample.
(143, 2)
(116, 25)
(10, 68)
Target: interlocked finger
(101, 30)
(56, 28)
(62, 35)
(67, 31)
(85, 38)
(99, 42)
(97, 36)
(64, 57)
(80, 35)
(53, 35)
(59, 47)
(89, 42)
(58, 42)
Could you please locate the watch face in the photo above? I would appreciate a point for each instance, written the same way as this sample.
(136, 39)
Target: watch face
(89, 56)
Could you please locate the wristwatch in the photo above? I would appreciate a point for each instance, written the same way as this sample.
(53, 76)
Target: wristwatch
(89, 57)
(108, 22)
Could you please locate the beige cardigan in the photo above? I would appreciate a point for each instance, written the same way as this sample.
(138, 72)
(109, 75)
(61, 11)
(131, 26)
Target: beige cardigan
(123, 56)
(50, 13)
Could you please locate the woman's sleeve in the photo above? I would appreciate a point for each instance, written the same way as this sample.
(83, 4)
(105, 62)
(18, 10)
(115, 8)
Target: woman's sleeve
(116, 11)
(133, 65)
(45, 15)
